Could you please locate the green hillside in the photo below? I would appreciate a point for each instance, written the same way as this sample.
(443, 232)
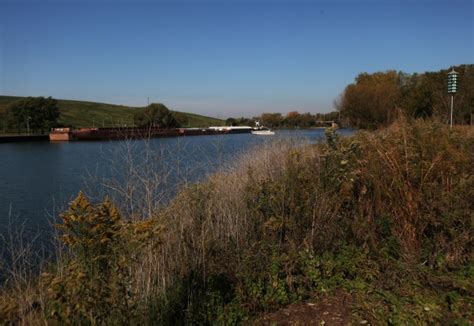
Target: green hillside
(87, 114)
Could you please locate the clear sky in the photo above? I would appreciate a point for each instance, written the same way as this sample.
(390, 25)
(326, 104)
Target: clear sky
(223, 58)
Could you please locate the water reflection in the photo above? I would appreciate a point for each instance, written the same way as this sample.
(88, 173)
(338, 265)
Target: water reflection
(37, 180)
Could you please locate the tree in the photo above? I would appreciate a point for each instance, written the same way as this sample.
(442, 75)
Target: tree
(240, 122)
(292, 119)
(271, 119)
(155, 115)
(307, 120)
(372, 100)
(231, 122)
(419, 96)
(35, 114)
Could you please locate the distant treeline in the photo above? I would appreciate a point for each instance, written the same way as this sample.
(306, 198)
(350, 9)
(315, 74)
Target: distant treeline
(375, 100)
(292, 119)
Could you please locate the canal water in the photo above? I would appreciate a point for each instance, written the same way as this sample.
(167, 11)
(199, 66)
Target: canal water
(39, 179)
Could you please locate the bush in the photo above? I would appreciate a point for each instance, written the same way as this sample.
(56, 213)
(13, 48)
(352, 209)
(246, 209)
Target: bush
(94, 285)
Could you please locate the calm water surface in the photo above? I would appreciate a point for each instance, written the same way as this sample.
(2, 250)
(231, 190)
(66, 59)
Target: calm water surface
(38, 179)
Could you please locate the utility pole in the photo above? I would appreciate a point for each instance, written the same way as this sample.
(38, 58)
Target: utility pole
(452, 105)
(452, 89)
(148, 100)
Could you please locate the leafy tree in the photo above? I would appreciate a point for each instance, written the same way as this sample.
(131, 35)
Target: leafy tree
(271, 119)
(464, 101)
(155, 115)
(37, 114)
(372, 100)
(231, 122)
(240, 122)
(292, 119)
(292, 114)
(307, 120)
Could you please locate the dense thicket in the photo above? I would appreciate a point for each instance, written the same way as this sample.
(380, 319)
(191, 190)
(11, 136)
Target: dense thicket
(33, 114)
(385, 217)
(375, 100)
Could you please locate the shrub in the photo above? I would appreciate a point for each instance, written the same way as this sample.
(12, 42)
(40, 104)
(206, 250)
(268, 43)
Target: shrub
(94, 285)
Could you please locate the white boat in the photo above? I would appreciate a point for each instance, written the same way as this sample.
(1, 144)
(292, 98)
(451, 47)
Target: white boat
(263, 132)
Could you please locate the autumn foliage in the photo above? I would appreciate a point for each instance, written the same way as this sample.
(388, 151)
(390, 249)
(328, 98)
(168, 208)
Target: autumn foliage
(377, 99)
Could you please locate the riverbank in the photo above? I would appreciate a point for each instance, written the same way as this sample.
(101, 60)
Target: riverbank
(375, 228)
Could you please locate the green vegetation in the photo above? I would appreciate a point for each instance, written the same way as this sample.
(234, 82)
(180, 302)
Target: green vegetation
(155, 115)
(196, 120)
(32, 114)
(385, 217)
(82, 114)
(377, 99)
(94, 286)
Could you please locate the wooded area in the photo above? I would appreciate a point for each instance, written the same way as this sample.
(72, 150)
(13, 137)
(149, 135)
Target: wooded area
(32, 115)
(377, 99)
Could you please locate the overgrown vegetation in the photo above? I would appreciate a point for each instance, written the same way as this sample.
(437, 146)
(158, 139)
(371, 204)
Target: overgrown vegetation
(385, 217)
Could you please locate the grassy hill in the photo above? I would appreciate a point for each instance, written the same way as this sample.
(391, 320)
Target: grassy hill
(88, 114)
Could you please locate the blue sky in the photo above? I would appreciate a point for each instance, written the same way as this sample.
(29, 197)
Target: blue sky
(223, 58)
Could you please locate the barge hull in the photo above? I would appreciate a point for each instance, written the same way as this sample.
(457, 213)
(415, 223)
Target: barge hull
(86, 134)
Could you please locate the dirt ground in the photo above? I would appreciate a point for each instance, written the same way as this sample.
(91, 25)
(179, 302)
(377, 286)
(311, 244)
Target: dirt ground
(335, 309)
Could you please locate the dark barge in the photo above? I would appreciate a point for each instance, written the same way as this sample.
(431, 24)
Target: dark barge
(68, 134)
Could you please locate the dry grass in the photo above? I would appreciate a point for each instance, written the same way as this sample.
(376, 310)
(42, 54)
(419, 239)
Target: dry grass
(372, 213)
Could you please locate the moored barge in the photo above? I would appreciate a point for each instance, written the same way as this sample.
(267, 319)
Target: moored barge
(68, 134)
